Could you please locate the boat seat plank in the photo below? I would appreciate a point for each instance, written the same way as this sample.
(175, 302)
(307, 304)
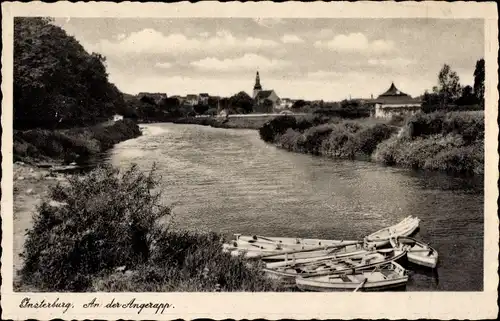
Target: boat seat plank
(345, 278)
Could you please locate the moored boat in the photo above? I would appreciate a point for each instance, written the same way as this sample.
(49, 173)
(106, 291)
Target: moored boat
(382, 277)
(314, 253)
(332, 265)
(273, 251)
(296, 243)
(404, 228)
(418, 252)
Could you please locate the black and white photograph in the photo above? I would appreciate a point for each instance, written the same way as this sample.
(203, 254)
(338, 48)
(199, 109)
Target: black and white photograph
(226, 154)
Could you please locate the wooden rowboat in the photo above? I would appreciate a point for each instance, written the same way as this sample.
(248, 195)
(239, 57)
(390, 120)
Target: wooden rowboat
(382, 277)
(418, 252)
(289, 242)
(404, 228)
(279, 254)
(332, 265)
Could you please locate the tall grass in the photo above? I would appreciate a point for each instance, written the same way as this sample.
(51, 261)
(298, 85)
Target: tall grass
(105, 231)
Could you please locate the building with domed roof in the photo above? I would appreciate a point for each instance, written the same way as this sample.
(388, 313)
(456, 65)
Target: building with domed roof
(395, 102)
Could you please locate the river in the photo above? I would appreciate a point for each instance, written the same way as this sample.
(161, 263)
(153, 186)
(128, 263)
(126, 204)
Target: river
(230, 181)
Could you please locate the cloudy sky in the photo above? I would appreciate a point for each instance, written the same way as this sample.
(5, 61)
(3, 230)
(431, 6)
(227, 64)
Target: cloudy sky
(326, 59)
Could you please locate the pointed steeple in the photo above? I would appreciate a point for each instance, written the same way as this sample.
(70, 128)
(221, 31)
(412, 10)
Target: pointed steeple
(257, 88)
(257, 82)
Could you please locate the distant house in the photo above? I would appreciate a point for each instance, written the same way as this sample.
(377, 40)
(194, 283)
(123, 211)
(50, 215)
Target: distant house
(179, 98)
(203, 98)
(285, 103)
(192, 100)
(117, 117)
(395, 102)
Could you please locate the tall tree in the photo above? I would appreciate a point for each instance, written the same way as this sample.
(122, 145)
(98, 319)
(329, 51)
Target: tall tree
(56, 82)
(448, 87)
(479, 75)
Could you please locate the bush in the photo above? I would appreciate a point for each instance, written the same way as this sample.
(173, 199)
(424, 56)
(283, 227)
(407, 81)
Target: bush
(276, 126)
(468, 124)
(105, 232)
(102, 221)
(439, 141)
(72, 144)
(364, 142)
(289, 139)
(439, 152)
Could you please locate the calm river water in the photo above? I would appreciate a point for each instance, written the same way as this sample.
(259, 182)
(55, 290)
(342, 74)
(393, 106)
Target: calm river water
(232, 182)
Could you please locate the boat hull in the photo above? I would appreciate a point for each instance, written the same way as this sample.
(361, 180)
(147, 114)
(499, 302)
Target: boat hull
(388, 276)
(382, 237)
(287, 277)
(308, 285)
(419, 254)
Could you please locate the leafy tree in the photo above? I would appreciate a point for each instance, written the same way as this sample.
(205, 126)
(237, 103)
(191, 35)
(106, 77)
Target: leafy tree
(148, 100)
(241, 101)
(298, 105)
(448, 87)
(169, 104)
(56, 82)
(479, 75)
(430, 101)
(200, 108)
(212, 102)
(349, 103)
(468, 97)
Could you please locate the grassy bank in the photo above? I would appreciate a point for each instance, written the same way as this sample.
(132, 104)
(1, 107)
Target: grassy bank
(71, 144)
(106, 231)
(452, 142)
(232, 122)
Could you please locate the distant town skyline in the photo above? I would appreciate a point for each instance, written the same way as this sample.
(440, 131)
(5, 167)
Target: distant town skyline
(329, 59)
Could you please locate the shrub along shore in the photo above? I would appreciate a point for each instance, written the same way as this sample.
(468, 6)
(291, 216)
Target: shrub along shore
(108, 231)
(70, 145)
(231, 122)
(451, 142)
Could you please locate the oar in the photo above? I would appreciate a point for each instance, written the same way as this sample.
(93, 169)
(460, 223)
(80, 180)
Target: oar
(361, 285)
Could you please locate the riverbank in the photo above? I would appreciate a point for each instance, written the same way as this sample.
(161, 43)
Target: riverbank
(248, 122)
(451, 142)
(37, 146)
(31, 184)
(139, 255)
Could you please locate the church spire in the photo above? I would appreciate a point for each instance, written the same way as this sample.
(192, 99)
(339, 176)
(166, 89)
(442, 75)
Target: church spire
(257, 88)
(257, 82)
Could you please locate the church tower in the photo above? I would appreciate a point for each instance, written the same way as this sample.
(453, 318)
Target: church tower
(257, 88)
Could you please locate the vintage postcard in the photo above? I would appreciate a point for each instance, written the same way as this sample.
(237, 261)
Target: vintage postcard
(249, 160)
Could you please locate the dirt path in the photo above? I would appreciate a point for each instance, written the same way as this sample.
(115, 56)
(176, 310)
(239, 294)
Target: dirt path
(31, 184)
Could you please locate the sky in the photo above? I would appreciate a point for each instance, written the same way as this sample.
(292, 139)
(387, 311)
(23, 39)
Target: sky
(329, 59)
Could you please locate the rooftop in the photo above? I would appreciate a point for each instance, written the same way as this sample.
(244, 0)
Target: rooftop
(264, 94)
(393, 92)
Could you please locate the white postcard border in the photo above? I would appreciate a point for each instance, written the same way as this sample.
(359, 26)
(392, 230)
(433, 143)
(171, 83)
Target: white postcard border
(404, 305)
